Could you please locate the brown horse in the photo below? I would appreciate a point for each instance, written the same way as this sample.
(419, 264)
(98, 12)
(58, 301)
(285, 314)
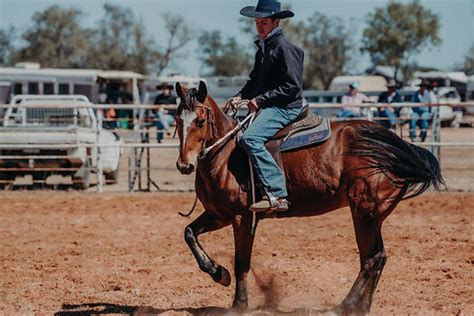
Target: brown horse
(362, 165)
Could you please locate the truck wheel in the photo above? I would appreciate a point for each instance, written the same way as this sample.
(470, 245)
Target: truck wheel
(82, 178)
(81, 183)
(4, 184)
(112, 177)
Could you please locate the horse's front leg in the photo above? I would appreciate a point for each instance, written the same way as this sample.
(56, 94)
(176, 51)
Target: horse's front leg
(206, 222)
(243, 252)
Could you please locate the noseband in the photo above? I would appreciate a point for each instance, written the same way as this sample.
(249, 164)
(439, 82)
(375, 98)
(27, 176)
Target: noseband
(211, 124)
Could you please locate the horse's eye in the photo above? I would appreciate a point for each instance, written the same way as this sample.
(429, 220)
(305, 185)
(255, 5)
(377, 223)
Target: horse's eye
(200, 122)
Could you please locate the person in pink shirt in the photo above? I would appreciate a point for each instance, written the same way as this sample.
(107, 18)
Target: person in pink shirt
(352, 99)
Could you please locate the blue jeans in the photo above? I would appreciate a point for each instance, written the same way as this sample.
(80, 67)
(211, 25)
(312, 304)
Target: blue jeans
(422, 115)
(162, 124)
(345, 113)
(269, 121)
(390, 118)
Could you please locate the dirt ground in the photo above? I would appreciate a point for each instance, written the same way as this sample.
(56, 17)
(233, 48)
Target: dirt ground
(72, 253)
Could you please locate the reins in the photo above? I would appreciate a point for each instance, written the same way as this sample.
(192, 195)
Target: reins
(229, 135)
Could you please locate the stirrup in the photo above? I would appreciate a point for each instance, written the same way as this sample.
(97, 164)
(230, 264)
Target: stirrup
(270, 205)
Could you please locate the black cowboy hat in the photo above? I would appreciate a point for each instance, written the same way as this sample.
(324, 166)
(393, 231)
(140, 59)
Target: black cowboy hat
(165, 85)
(267, 9)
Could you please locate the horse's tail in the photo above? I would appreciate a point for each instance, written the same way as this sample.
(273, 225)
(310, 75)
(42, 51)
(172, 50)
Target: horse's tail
(404, 164)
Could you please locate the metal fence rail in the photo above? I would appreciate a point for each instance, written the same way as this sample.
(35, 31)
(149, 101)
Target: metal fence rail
(139, 151)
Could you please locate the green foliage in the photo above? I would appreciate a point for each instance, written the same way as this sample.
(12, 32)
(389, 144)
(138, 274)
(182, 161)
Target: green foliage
(327, 44)
(468, 66)
(179, 35)
(397, 32)
(6, 46)
(55, 39)
(120, 42)
(223, 57)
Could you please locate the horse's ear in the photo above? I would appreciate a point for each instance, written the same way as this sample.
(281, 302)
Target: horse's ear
(202, 95)
(180, 90)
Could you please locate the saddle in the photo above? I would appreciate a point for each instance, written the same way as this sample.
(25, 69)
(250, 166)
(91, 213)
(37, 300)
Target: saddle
(307, 130)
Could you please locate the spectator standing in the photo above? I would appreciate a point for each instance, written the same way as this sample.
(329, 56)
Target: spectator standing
(421, 114)
(352, 99)
(388, 113)
(163, 119)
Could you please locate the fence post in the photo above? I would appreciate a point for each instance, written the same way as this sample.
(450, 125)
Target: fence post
(436, 131)
(100, 167)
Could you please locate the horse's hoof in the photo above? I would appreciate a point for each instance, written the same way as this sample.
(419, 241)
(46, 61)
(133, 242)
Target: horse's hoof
(344, 309)
(239, 307)
(222, 276)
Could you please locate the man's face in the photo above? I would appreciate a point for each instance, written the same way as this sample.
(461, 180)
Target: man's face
(265, 26)
(166, 91)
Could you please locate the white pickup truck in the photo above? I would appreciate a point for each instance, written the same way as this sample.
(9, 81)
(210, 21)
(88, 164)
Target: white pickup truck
(59, 139)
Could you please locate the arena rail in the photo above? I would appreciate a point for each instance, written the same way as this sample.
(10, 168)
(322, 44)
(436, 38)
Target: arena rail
(134, 166)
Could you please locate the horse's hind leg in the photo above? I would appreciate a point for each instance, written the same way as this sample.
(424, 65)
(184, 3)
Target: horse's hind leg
(367, 224)
(372, 261)
(206, 222)
(243, 252)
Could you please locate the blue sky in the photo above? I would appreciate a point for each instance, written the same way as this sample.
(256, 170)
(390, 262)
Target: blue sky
(456, 16)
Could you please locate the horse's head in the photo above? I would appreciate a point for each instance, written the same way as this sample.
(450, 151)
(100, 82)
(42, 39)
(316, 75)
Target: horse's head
(193, 124)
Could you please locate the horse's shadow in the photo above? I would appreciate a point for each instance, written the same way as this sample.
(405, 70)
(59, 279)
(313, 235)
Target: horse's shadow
(106, 308)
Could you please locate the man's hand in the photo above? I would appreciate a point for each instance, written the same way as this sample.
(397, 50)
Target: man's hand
(232, 103)
(253, 107)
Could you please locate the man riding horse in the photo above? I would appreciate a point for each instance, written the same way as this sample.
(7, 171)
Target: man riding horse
(362, 165)
(275, 90)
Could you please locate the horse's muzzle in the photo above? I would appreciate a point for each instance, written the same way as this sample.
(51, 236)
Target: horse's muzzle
(184, 168)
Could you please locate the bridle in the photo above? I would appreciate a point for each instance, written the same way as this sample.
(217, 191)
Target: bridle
(221, 141)
(211, 125)
(224, 139)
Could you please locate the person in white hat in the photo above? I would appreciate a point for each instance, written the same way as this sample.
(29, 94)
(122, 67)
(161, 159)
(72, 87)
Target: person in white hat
(352, 99)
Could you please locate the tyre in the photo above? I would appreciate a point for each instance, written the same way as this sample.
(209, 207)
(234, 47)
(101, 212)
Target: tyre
(112, 177)
(82, 178)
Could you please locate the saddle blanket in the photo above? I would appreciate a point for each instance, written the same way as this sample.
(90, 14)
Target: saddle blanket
(313, 136)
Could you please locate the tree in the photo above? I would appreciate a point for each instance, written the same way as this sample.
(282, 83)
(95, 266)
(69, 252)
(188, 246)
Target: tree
(396, 33)
(55, 39)
(179, 35)
(120, 43)
(468, 66)
(6, 46)
(327, 44)
(223, 58)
